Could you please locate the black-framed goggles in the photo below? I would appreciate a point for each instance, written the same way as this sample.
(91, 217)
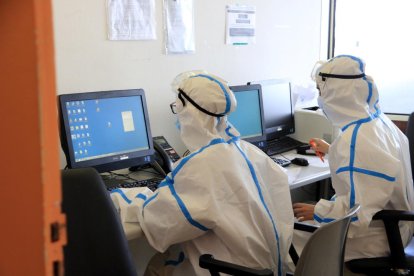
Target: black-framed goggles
(182, 95)
(335, 76)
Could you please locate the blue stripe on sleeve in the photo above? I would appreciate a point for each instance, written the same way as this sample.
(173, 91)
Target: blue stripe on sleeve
(327, 220)
(123, 195)
(185, 211)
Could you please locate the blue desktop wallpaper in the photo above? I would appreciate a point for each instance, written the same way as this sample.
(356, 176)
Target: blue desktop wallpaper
(246, 118)
(105, 127)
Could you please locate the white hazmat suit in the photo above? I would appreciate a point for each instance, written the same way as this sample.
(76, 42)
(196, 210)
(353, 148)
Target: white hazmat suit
(227, 198)
(369, 161)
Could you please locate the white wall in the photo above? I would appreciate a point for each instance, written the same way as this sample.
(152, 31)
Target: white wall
(287, 45)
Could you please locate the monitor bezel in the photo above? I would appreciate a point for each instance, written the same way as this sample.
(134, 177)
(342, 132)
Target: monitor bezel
(257, 140)
(271, 135)
(104, 164)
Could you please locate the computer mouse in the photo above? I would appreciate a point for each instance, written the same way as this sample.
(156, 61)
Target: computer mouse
(300, 161)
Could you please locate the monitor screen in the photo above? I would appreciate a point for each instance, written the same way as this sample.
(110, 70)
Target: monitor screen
(107, 130)
(277, 108)
(248, 116)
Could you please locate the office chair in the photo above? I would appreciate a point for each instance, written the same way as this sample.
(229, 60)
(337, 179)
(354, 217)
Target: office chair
(401, 260)
(96, 243)
(323, 254)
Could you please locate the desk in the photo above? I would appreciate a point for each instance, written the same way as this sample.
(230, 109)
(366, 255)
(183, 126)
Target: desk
(301, 176)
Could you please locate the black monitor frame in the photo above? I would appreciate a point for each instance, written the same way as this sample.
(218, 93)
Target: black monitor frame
(275, 132)
(108, 163)
(260, 139)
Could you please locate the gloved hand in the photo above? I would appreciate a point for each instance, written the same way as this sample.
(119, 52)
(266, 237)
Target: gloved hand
(320, 145)
(303, 211)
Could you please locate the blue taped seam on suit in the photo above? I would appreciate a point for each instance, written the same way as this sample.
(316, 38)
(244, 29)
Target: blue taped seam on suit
(165, 182)
(149, 200)
(351, 165)
(228, 131)
(170, 183)
(233, 137)
(252, 172)
(369, 90)
(322, 220)
(358, 122)
(187, 158)
(175, 262)
(367, 172)
(123, 195)
(141, 196)
(327, 220)
(185, 211)
(226, 95)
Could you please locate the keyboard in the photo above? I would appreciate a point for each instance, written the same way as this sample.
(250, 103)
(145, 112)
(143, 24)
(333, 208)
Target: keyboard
(151, 183)
(281, 145)
(281, 162)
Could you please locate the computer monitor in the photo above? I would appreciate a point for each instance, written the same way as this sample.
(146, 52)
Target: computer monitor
(277, 108)
(107, 130)
(248, 116)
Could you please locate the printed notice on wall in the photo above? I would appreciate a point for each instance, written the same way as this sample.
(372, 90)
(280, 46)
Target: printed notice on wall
(241, 25)
(179, 26)
(131, 19)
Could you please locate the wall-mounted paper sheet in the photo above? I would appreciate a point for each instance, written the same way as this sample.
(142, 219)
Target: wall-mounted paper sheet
(240, 25)
(179, 26)
(131, 19)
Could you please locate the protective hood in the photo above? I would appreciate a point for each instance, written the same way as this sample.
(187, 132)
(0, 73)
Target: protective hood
(348, 95)
(203, 103)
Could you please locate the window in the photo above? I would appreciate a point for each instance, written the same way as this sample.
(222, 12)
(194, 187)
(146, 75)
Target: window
(380, 32)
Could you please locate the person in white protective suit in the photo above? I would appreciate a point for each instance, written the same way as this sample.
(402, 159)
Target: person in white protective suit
(369, 161)
(226, 198)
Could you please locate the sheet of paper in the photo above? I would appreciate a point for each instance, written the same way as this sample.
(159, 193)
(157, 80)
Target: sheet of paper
(131, 19)
(179, 26)
(128, 121)
(240, 24)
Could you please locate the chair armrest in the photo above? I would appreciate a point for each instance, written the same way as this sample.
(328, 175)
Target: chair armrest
(397, 215)
(301, 226)
(207, 261)
(391, 219)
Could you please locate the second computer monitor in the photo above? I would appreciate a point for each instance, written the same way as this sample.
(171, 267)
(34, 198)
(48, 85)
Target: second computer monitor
(248, 116)
(277, 108)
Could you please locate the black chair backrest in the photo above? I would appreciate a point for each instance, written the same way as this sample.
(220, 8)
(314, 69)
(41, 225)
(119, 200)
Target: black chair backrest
(410, 135)
(96, 243)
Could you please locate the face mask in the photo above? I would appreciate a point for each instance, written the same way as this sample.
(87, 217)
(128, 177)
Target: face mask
(178, 125)
(321, 104)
